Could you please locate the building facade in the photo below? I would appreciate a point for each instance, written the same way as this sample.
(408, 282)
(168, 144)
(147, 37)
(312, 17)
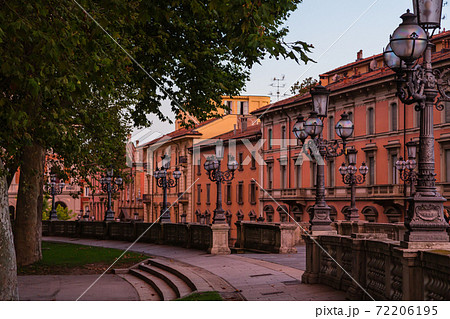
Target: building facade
(366, 91)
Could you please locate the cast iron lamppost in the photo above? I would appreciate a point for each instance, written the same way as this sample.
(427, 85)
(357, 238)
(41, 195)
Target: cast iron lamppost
(110, 185)
(406, 168)
(165, 182)
(420, 84)
(212, 166)
(54, 188)
(322, 149)
(350, 177)
(86, 214)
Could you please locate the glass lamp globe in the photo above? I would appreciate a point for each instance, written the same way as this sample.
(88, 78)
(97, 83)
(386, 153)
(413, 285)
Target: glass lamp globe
(343, 169)
(400, 164)
(232, 165)
(428, 13)
(119, 181)
(391, 60)
(351, 169)
(363, 169)
(313, 125)
(177, 173)
(409, 40)
(411, 164)
(215, 164)
(344, 127)
(207, 164)
(162, 173)
(61, 185)
(299, 129)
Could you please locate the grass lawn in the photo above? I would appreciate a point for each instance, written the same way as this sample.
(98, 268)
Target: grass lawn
(71, 259)
(203, 296)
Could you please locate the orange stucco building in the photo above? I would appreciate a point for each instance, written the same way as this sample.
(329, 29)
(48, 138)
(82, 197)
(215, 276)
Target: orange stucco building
(366, 90)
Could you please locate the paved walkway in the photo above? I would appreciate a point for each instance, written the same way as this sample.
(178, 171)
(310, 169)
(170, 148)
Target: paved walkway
(256, 276)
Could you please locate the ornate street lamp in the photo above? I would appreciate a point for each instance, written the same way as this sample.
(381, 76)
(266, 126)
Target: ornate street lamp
(407, 168)
(54, 188)
(86, 214)
(349, 177)
(110, 185)
(321, 149)
(420, 85)
(212, 166)
(165, 182)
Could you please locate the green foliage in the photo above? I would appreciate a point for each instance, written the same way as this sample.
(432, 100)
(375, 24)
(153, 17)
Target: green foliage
(203, 296)
(304, 87)
(62, 258)
(68, 87)
(63, 213)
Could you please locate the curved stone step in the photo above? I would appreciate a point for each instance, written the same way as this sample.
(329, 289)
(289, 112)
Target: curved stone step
(164, 291)
(145, 291)
(177, 284)
(173, 270)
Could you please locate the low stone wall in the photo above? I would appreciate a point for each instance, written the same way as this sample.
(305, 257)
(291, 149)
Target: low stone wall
(382, 268)
(392, 231)
(268, 237)
(183, 235)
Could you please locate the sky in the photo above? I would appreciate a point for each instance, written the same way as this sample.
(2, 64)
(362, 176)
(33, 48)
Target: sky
(337, 29)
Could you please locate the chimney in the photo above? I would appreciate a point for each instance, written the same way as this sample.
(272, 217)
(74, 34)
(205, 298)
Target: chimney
(234, 131)
(137, 143)
(243, 124)
(359, 55)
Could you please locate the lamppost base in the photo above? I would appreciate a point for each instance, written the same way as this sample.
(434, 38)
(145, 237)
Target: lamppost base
(109, 216)
(164, 220)
(354, 216)
(320, 221)
(425, 221)
(219, 217)
(53, 216)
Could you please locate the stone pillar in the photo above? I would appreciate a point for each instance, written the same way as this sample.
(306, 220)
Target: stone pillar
(287, 239)
(219, 245)
(311, 275)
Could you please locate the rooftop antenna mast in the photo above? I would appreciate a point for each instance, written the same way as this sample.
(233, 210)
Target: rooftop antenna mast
(278, 83)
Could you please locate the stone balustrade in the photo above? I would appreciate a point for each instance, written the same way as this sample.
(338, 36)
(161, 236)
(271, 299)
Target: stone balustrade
(184, 235)
(371, 265)
(268, 237)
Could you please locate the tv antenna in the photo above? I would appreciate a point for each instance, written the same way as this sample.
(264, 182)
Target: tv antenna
(278, 83)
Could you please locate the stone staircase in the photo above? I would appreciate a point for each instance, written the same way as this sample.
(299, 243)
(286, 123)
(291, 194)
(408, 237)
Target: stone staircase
(159, 279)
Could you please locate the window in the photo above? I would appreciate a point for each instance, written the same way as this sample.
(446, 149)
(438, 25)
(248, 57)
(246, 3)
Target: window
(394, 117)
(243, 107)
(283, 175)
(228, 193)
(394, 172)
(371, 174)
(447, 165)
(199, 190)
(241, 160)
(331, 127)
(331, 170)
(298, 176)
(270, 138)
(240, 195)
(417, 124)
(86, 191)
(253, 160)
(199, 166)
(447, 112)
(208, 194)
(229, 104)
(283, 136)
(252, 192)
(370, 121)
(269, 177)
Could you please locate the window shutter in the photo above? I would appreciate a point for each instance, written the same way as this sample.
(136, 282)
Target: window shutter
(246, 107)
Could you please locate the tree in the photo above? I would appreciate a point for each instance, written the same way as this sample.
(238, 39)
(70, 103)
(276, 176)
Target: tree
(69, 89)
(304, 87)
(62, 213)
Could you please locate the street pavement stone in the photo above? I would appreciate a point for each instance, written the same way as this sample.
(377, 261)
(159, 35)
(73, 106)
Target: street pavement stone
(255, 276)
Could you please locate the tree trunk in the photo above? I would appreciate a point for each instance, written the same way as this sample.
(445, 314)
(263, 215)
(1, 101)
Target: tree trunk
(8, 267)
(28, 224)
